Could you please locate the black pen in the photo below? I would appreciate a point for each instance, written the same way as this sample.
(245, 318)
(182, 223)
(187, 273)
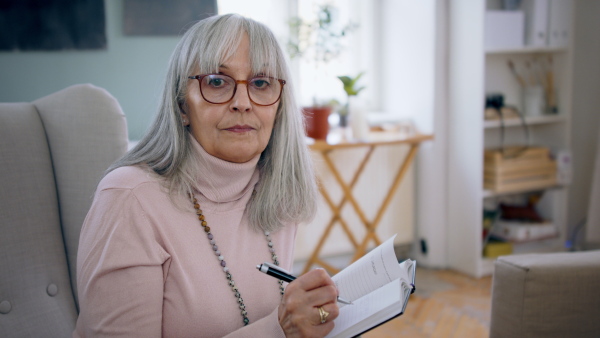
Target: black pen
(279, 273)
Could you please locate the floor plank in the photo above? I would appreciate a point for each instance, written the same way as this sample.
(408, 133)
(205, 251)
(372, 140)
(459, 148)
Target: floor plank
(445, 304)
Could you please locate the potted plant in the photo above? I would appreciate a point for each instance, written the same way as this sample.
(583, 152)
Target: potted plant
(318, 41)
(351, 90)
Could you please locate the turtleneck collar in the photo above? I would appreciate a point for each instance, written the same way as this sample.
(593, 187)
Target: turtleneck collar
(221, 181)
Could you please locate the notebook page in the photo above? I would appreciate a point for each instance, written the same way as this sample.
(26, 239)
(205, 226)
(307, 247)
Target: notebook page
(366, 306)
(373, 270)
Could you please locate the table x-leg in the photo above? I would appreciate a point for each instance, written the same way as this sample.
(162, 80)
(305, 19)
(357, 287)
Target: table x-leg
(336, 218)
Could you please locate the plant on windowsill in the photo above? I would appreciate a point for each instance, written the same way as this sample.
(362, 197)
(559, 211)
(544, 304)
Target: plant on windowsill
(319, 42)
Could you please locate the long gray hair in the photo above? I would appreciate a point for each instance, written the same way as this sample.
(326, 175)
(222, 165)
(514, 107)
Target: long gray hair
(286, 191)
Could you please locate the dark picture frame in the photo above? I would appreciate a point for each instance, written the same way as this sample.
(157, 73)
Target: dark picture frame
(164, 17)
(48, 25)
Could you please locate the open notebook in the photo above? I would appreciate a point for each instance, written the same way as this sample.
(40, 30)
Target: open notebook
(379, 288)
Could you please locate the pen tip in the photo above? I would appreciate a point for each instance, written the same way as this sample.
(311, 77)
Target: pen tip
(258, 267)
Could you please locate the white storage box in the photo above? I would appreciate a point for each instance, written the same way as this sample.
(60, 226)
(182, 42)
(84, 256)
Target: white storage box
(522, 231)
(504, 29)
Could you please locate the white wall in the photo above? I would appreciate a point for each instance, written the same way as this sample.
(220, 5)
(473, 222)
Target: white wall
(131, 69)
(585, 122)
(413, 64)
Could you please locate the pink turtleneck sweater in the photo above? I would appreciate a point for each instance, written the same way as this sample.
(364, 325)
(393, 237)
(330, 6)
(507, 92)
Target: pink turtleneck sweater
(145, 267)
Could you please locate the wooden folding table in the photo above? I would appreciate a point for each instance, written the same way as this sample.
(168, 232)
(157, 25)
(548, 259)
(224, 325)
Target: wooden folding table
(325, 148)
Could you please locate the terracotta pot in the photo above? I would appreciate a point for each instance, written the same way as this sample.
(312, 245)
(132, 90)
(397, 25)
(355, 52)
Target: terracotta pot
(317, 122)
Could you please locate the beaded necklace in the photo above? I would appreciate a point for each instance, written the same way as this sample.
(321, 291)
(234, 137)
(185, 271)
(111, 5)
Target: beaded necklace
(228, 275)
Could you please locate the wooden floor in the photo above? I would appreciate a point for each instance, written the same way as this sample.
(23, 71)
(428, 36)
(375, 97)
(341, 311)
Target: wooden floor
(447, 304)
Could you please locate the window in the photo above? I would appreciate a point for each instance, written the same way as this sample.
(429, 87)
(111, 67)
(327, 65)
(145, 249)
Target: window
(273, 13)
(319, 82)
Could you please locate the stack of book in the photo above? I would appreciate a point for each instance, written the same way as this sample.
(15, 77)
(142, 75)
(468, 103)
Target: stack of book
(516, 231)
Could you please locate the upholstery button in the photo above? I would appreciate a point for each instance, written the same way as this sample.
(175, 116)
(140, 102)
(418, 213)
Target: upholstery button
(52, 290)
(5, 307)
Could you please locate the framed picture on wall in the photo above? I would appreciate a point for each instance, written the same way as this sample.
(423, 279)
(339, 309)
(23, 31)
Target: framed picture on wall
(164, 17)
(52, 25)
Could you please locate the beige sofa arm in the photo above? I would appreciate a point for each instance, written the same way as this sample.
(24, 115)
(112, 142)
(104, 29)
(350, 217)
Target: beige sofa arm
(546, 295)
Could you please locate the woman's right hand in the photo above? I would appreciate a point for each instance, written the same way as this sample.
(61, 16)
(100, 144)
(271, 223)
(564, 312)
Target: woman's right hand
(299, 314)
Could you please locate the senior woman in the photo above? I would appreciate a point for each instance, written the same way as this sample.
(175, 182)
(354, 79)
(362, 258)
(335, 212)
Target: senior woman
(217, 186)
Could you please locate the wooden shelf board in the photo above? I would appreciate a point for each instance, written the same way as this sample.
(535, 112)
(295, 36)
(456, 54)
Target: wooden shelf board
(526, 50)
(490, 193)
(530, 242)
(530, 120)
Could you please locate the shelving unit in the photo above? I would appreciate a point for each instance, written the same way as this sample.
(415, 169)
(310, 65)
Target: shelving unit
(475, 71)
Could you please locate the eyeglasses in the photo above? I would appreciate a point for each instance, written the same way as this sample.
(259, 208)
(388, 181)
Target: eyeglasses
(220, 88)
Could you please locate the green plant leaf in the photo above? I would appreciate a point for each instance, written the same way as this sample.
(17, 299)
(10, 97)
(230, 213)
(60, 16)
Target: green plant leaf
(350, 84)
(358, 90)
(346, 80)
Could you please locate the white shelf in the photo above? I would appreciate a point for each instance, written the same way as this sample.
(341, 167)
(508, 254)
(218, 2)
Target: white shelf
(476, 71)
(530, 120)
(526, 50)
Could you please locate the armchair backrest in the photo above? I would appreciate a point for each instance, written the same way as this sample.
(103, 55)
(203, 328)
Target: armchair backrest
(53, 153)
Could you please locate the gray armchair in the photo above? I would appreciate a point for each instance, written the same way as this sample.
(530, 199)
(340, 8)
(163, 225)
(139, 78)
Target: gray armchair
(53, 152)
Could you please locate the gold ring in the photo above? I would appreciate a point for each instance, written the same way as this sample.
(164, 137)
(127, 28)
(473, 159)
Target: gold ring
(323, 314)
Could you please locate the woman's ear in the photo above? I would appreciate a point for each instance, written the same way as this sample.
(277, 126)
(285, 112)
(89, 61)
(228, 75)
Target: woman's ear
(185, 120)
(184, 117)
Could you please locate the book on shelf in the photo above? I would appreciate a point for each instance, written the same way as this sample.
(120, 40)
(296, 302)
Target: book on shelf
(379, 288)
(495, 248)
(517, 231)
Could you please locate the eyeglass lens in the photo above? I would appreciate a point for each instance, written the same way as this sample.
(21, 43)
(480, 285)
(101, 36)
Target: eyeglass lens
(218, 88)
